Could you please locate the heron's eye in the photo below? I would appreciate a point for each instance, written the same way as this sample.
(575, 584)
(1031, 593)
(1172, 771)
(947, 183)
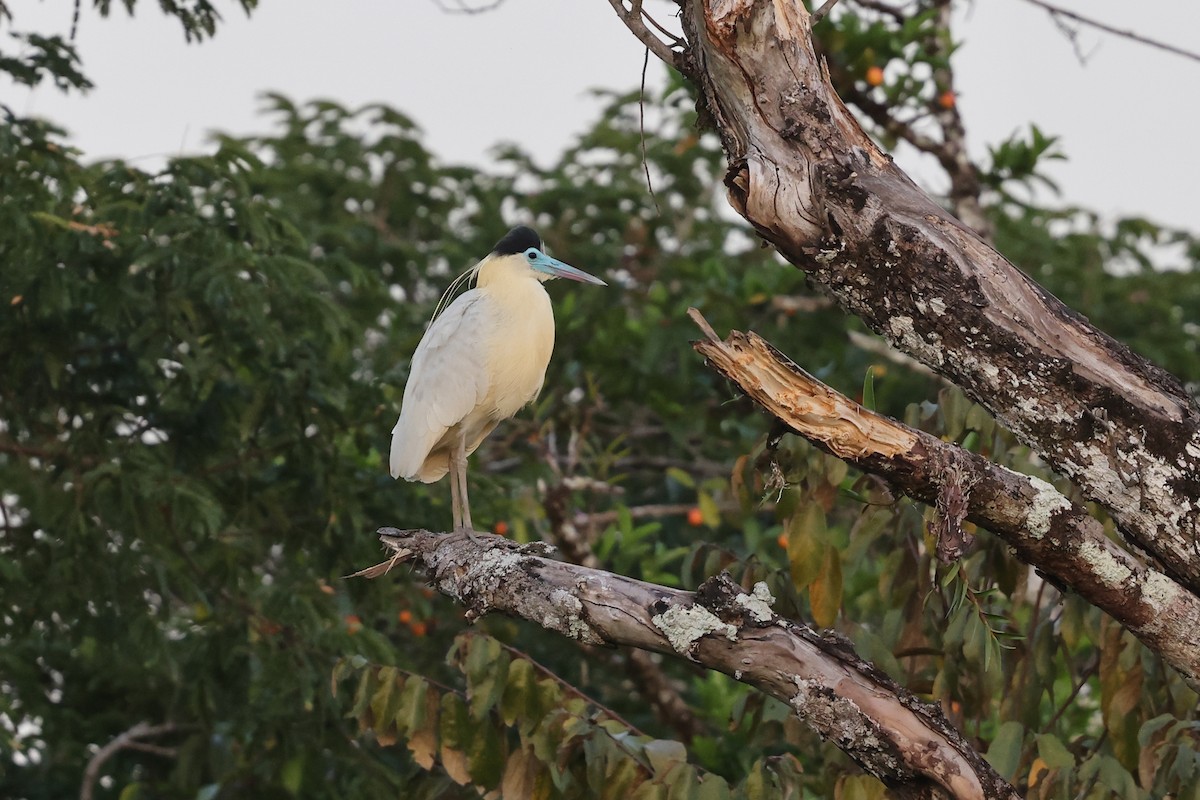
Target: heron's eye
(532, 255)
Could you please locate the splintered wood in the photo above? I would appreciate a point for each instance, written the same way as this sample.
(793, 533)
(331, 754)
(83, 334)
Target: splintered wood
(798, 399)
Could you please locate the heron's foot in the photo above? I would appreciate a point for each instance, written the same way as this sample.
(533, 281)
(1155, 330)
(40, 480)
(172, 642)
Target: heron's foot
(462, 531)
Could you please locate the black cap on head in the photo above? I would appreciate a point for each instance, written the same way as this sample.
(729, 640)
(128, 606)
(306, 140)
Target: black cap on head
(518, 240)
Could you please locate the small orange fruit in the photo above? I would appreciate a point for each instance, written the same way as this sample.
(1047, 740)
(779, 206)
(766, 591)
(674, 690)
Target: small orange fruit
(874, 76)
(418, 628)
(405, 616)
(353, 624)
(946, 100)
(694, 517)
(782, 541)
(500, 528)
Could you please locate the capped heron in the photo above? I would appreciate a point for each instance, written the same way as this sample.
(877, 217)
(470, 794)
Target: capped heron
(479, 362)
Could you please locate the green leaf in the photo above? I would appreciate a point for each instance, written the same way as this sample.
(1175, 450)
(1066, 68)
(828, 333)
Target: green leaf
(868, 389)
(411, 706)
(456, 725)
(713, 787)
(954, 406)
(664, 754)
(681, 477)
(487, 674)
(486, 756)
(756, 785)
(1004, 754)
(825, 591)
(1051, 750)
(709, 511)
(292, 775)
(806, 544)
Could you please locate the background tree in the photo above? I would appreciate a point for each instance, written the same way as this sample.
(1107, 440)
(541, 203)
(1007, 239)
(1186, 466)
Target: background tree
(202, 364)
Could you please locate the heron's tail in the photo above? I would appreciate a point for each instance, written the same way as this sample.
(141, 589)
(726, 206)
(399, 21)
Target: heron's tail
(411, 459)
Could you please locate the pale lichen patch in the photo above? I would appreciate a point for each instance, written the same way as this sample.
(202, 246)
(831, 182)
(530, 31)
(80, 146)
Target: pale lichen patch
(1192, 448)
(684, 625)
(758, 603)
(482, 576)
(566, 616)
(834, 717)
(1159, 591)
(906, 338)
(1104, 563)
(1046, 502)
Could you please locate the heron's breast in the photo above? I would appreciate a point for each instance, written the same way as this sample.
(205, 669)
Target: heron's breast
(520, 353)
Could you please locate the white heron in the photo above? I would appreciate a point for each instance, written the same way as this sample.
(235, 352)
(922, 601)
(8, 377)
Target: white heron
(479, 362)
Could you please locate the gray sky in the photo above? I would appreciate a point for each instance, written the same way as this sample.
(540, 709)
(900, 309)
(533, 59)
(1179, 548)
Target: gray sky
(1128, 119)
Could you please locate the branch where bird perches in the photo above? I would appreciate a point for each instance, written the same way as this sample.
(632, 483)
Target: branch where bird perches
(720, 626)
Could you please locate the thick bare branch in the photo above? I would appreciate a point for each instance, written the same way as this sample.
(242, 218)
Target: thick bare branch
(803, 172)
(1042, 526)
(904, 742)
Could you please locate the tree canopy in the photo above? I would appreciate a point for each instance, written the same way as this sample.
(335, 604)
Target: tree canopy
(202, 364)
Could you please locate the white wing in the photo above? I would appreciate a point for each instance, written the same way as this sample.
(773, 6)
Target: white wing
(448, 380)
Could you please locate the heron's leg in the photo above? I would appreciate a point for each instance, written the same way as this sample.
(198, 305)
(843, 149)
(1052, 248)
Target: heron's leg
(455, 500)
(461, 458)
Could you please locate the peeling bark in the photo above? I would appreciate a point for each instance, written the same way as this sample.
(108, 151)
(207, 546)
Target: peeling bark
(811, 182)
(906, 743)
(1042, 526)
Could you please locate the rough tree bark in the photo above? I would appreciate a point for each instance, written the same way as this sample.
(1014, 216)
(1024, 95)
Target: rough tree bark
(812, 183)
(906, 743)
(1042, 526)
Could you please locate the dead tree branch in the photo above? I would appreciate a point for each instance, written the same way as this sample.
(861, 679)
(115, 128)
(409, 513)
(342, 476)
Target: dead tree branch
(804, 173)
(903, 741)
(129, 740)
(1042, 526)
(635, 19)
(1058, 13)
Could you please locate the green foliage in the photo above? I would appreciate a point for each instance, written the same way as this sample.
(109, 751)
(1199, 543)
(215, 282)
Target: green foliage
(519, 729)
(40, 57)
(1017, 161)
(44, 57)
(202, 364)
(199, 18)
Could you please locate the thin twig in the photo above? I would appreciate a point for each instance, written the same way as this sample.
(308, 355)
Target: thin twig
(642, 129)
(1057, 11)
(568, 687)
(820, 13)
(1072, 35)
(883, 8)
(126, 741)
(632, 17)
(675, 40)
(1084, 677)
